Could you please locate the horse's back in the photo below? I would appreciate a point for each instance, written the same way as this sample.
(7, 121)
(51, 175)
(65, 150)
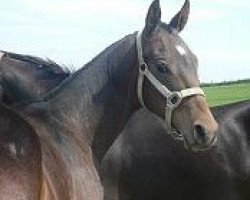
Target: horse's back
(145, 163)
(20, 155)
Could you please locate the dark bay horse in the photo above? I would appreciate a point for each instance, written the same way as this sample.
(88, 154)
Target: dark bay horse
(144, 164)
(20, 156)
(26, 78)
(78, 121)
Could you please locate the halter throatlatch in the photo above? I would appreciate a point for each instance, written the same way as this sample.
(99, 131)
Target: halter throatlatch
(173, 99)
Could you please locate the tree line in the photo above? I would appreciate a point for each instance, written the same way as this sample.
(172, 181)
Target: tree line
(225, 83)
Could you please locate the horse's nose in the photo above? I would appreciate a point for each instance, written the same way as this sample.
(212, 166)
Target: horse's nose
(201, 135)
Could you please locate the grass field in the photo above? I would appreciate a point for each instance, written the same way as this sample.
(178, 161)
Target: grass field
(218, 95)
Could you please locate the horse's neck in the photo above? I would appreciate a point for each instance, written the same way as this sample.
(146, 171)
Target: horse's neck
(28, 79)
(19, 81)
(16, 90)
(95, 101)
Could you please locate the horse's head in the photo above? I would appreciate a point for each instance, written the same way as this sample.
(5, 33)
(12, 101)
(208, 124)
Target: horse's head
(168, 84)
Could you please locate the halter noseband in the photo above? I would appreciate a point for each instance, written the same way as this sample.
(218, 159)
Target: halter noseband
(173, 99)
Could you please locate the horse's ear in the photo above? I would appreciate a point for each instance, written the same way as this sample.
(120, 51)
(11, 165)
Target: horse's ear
(153, 18)
(180, 19)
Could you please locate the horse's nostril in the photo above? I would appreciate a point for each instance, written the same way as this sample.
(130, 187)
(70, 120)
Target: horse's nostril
(200, 134)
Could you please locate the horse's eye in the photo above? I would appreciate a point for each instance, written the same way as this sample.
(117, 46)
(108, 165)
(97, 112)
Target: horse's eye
(162, 67)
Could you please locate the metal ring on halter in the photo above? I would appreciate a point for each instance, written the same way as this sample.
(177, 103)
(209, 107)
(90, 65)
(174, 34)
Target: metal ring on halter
(174, 100)
(143, 67)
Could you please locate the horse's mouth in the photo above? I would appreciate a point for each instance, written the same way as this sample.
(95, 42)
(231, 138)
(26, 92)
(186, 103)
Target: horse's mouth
(198, 147)
(195, 147)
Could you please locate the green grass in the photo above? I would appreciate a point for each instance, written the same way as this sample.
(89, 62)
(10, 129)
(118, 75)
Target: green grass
(223, 94)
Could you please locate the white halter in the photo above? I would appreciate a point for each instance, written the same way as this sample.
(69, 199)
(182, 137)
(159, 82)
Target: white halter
(173, 99)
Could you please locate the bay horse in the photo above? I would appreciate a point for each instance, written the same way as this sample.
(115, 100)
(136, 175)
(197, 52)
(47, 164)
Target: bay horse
(144, 164)
(26, 78)
(78, 121)
(20, 155)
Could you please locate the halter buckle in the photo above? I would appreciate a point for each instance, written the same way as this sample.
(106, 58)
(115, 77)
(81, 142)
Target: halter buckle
(174, 100)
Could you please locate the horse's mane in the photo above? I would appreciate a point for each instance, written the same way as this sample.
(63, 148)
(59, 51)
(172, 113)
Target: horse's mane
(45, 64)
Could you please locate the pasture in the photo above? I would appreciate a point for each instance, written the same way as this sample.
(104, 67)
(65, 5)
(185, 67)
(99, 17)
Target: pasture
(229, 93)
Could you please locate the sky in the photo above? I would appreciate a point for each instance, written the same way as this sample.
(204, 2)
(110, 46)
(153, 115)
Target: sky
(72, 32)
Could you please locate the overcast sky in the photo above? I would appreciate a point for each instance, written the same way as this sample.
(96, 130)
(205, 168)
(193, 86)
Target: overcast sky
(72, 32)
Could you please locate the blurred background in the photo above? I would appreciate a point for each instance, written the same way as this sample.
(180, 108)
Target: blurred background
(73, 32)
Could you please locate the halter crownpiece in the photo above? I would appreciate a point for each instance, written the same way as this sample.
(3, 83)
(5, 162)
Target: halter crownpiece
(173, 99)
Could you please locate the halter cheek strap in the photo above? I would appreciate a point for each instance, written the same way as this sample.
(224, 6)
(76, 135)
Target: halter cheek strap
(173, 99)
